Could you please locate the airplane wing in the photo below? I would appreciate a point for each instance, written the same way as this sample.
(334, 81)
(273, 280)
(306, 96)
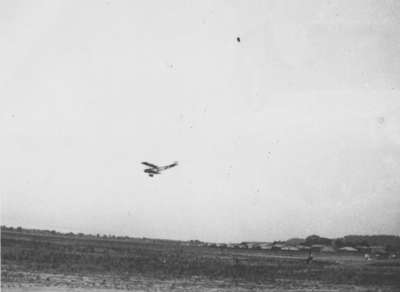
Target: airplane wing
(150, 165)
(171, 165)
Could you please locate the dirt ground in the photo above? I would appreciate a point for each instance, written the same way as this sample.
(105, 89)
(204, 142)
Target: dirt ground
(48, 262)
(18, 281)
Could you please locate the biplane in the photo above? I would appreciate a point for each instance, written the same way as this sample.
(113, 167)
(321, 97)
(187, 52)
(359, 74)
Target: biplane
(154, 169)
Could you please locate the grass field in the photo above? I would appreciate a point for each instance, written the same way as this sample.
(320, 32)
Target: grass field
(35, 261)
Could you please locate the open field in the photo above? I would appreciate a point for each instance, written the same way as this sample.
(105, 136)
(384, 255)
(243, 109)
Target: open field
(72, 263)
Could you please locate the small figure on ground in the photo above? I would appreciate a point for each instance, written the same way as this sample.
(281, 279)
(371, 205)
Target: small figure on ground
(367, 257)
(310, 257)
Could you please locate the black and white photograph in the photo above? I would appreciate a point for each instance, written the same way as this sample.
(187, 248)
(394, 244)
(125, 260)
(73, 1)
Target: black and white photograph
(200, 145)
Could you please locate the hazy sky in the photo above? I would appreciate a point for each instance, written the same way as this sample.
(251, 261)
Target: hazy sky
(293, 131)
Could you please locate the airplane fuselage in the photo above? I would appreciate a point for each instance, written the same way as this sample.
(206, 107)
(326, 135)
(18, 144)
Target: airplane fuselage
(151, 171)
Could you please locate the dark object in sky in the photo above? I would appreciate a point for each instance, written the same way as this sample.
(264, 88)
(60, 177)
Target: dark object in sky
(238, 39)
(381, 120)
(154, 169)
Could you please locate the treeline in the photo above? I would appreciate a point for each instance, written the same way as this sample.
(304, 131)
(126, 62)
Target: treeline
(53, 232)
(390, 242)
(81, 235)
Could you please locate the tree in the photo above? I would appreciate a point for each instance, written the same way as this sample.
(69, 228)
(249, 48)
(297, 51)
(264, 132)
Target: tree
(315, 239)
(339, 242)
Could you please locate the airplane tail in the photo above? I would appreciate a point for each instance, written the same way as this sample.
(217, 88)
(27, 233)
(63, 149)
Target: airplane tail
(172, 165)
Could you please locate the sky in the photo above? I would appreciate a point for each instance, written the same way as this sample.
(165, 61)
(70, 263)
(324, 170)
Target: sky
(293, 131)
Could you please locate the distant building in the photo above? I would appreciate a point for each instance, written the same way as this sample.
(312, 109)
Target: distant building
(252, 244)
(278, 246)
(327, 249)
(266, 246)
(377, 249)
(363, 248)
(317, 247)
(303, 247)
(348, 249)
(290, 248)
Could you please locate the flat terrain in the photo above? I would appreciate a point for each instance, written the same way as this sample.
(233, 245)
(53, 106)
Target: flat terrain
(45, 262)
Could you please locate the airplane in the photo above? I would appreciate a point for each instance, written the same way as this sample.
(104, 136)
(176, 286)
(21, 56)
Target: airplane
(154, 169)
